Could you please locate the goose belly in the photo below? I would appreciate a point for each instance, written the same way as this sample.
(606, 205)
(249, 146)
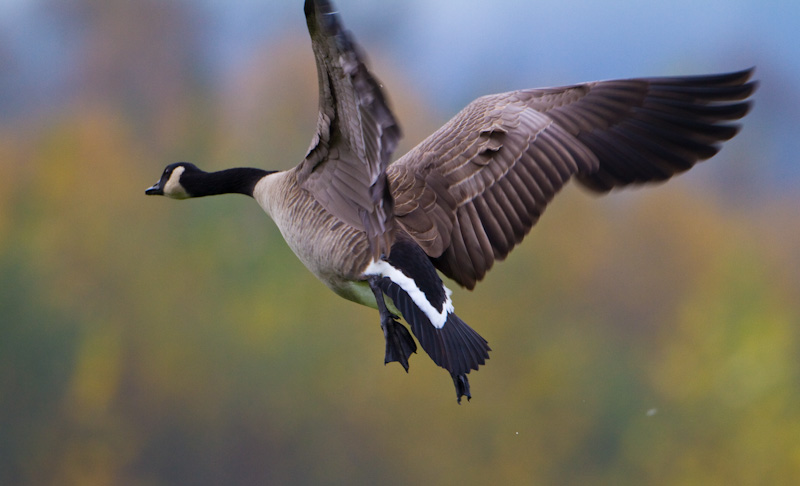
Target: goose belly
(335, 252)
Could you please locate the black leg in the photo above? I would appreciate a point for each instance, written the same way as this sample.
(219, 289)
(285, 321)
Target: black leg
(399, 343)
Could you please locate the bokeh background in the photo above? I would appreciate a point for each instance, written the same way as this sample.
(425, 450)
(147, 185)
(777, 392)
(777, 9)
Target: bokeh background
(648, 337)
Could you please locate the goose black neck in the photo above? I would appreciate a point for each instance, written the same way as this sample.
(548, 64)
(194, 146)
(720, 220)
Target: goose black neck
(241, 180)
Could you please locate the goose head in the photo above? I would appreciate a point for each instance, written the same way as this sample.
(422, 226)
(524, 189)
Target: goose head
(176, 181)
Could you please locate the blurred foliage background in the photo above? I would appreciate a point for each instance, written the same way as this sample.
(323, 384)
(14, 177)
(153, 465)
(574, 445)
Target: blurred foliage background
(647, 338)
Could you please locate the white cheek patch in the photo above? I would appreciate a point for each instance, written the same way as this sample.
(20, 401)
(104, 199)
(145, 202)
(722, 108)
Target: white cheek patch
(409, 286)
(173, 187)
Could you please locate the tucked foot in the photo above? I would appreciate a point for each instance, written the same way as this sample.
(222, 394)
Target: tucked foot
(399, 343)
(462, 386)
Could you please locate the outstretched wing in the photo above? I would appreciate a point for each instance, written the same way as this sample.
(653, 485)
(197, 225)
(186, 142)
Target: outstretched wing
(345, 168)
(471, 191)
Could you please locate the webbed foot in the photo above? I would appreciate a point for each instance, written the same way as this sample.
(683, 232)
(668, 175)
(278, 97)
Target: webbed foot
(462, 386)
(399, 343)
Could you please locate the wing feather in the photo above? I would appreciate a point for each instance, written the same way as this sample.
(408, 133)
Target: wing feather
(345, 168)
(501, 160)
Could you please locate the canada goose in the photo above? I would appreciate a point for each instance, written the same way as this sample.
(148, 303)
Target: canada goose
(466, 195)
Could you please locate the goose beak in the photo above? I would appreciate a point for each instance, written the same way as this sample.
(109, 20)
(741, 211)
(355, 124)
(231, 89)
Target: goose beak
(155, 190)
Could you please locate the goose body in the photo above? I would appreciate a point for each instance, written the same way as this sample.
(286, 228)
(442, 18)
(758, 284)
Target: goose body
(469, 193)
(336, 253)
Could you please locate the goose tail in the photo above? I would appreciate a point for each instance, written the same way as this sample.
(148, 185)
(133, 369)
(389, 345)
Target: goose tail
(410, 280)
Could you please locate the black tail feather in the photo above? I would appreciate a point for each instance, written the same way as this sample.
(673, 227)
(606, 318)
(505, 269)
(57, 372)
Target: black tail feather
(455, 347)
